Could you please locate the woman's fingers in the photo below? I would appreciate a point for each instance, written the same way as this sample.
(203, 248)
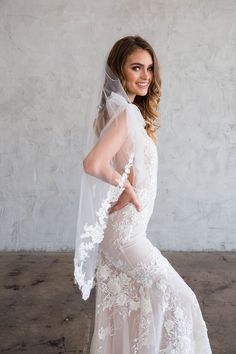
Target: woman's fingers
(137, 204)
(135, 200)
(120, 205)
(117, 206)
(127, 196)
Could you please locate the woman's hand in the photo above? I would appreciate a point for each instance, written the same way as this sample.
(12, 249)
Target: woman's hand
(127, 196)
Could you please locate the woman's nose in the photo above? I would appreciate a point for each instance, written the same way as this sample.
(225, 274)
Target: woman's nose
(145, 74)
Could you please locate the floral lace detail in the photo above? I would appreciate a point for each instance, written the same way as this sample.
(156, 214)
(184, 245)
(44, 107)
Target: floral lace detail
(123, 295)
(95, 233)
(144, 306)
(123, 221)
(128, 218)
(146, 273)
(119, 290)
(126, 293)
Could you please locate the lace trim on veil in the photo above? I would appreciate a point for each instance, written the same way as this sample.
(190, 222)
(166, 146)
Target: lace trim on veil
(95, 233)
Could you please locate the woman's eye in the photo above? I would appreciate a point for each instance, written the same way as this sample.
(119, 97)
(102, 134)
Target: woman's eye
(138, 67)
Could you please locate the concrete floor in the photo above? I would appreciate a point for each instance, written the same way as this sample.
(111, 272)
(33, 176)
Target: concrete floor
(42, 311)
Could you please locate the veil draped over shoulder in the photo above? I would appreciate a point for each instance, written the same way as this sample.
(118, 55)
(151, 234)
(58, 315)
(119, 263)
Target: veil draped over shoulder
(111, 109)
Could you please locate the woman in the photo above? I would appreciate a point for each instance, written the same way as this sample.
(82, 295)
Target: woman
(143, 306)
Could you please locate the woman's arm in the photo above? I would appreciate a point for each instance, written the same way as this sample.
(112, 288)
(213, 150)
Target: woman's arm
(103, 171)
(97, 162)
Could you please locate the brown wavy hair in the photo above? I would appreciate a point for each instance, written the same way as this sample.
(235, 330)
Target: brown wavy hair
(148, 104)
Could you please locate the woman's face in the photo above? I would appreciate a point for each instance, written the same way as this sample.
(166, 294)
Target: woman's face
(138, 73)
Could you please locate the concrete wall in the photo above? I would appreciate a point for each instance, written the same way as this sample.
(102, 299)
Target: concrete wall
(50, 53)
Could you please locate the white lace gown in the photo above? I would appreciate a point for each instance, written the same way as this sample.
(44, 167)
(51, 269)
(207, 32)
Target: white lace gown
(143, 306)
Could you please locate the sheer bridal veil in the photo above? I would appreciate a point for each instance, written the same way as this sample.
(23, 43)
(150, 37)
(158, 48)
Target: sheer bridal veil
(110, 109)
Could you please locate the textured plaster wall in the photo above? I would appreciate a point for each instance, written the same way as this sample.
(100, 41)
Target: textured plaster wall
(50, 53)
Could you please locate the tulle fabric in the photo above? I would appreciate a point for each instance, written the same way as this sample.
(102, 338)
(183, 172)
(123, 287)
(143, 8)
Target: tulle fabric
(96, 195)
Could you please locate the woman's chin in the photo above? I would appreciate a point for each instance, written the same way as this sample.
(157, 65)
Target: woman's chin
(142, 93)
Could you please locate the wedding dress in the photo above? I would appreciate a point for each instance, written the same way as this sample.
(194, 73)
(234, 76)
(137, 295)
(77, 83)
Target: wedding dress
(143, 306)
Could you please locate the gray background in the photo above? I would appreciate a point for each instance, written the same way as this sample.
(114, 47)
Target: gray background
(50, 53)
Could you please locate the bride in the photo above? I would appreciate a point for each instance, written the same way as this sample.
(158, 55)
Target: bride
(143, 306)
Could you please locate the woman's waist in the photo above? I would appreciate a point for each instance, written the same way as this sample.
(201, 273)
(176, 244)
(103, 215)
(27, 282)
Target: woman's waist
(129, 212)
(147, 191)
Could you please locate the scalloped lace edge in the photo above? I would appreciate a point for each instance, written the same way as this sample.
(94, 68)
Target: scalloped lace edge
(96, 233)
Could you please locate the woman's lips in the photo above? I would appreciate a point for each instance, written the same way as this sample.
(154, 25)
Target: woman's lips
(142, 85)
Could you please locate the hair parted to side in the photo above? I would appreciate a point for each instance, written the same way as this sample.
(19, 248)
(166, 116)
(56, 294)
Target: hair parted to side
(148, 104)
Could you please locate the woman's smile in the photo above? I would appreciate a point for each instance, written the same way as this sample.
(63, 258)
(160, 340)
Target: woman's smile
(142, 84)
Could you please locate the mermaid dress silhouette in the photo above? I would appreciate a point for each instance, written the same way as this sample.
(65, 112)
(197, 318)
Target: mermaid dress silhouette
(143, 306)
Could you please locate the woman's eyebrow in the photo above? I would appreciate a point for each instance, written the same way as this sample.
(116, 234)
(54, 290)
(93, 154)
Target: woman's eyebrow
(139, 64)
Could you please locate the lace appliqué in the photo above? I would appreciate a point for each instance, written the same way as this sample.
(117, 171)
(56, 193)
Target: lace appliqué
(123, 221)
(95, 233)
(155, 274)
(119, 290)
(145, 307)
(127, 292)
